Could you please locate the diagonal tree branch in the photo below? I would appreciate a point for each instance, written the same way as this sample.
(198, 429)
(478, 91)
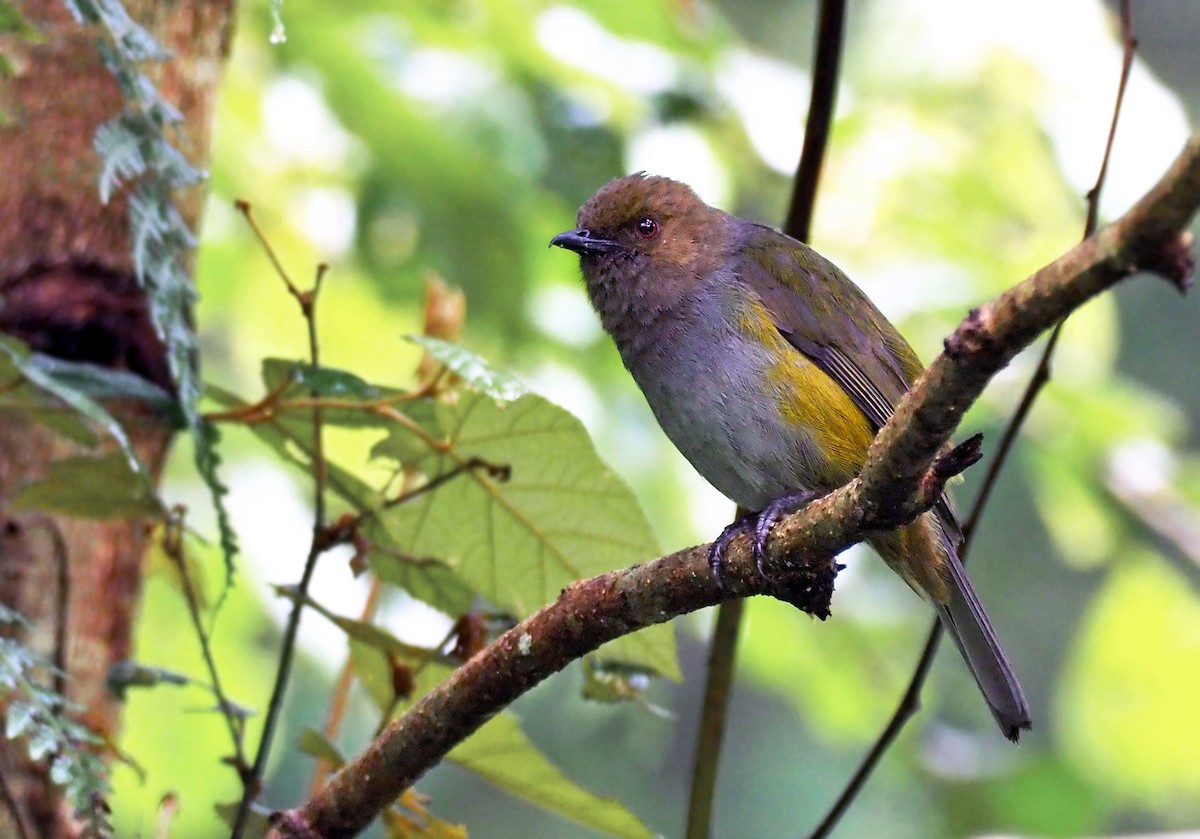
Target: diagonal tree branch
(898, 482)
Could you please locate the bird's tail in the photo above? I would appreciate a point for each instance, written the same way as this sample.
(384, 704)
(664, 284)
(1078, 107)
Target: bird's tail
(967, 624)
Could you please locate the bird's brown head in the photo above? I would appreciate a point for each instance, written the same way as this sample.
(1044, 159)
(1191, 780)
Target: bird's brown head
(645, 234)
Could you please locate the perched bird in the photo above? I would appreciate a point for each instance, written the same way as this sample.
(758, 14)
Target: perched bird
(771, 372)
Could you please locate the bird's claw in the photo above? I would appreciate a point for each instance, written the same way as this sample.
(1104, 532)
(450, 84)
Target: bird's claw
(716, 554)
(759, 526)
(772, 513)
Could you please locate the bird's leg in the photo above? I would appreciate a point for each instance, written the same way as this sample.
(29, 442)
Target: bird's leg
(772, 513)
(716, 553)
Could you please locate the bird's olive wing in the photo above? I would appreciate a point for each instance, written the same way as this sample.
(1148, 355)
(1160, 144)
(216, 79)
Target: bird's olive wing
(821, 313)
(824, 315)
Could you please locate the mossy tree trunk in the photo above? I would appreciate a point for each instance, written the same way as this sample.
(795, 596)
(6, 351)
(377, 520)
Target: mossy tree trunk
(68, 289)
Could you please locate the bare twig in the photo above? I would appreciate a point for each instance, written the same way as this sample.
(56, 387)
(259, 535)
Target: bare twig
(888, 493)
(910, 702)
(15, 813)
(345, 528)
(287, 651)
(244, 208)
(172, 543)
(830, 27)
(718, 688)
(341, 693)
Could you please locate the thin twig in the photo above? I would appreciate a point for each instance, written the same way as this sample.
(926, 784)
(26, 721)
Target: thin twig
(910, 702)
(173, 547)
(344, 529)
(723, 646)
(831, 25)
(243, 207)
(341, 694)
(718, 689)
(499, 471)
(263, 410)
(62, 563)
(287, 651)
(14, 809)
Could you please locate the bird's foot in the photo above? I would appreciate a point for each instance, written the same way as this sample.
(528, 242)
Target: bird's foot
(758, 525)
(772, 513)
(716, 553)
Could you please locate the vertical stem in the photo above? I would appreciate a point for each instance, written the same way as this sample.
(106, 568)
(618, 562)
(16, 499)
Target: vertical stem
(341, 693)
(831, 25)
(719, 680)
(718, 689)
(287, 652)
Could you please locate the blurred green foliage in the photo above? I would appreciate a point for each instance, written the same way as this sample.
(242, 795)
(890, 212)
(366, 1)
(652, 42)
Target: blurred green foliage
(396, 141)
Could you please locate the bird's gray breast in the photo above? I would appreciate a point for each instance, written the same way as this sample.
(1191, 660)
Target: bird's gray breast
(707, 384)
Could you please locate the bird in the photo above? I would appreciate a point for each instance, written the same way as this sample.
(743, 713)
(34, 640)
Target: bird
(771, 372)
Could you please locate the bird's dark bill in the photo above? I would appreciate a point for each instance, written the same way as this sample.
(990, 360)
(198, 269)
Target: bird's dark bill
(583, 243)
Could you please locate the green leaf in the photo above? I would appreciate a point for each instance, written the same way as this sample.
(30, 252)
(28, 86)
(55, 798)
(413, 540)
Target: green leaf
(20, 718)
(502, 753)
(408, 444)
(12, 22)
(313, 742)
(357, 397)
(37, 371)
(92, 488)
(321, 381)
(374, 671)
(562, 516)
(289, 433)
(18, 394)
(105, 383)
(42, 741)
(427, 578)
(368, 633)
(472, 369)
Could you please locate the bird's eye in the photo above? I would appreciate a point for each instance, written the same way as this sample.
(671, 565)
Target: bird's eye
(647, 228)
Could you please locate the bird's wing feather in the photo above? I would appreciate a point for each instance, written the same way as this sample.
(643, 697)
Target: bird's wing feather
(820, 312)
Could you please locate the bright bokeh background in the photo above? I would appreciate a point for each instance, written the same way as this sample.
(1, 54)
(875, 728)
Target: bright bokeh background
(395, 141)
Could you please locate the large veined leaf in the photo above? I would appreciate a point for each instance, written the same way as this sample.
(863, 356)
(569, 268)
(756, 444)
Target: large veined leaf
(561, 515)
(473, 369)
(502, 753)
(289, 433)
